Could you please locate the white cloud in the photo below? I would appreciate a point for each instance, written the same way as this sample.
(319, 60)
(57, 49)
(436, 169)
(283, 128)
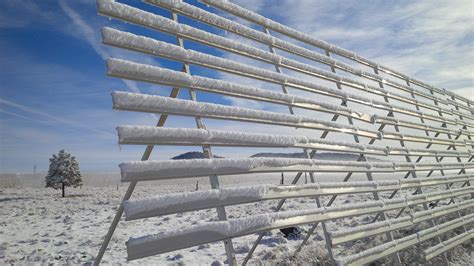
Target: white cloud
(429, 40)
(91, 37)
(54, 118)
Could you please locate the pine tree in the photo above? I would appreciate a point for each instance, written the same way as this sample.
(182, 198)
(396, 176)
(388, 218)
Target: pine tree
(63, 172)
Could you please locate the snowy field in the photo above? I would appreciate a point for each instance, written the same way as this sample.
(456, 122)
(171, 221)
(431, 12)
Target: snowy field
(38, 226)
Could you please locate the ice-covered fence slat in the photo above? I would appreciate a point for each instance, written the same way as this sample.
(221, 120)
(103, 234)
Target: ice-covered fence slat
(231, 26)
(190, 201)
(140, 17)
(162, 49)
(386, 249)
(153, 74)
(351, 234)
(300, 36)
(189, 137)
(421, 126)
(215, 231)
(451, 243)
(156, 22)
(157, 75)
(440, 118)
(166, 169)
(158, 104)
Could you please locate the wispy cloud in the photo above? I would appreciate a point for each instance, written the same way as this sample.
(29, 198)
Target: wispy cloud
(429, 40)
(91, 37)
(19, 14)
(50, 117)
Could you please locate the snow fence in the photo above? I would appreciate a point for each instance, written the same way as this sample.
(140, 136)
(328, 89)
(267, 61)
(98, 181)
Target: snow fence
(407, 145)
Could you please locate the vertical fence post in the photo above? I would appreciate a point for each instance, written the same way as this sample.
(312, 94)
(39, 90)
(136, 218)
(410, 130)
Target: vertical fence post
(130, 189)
(214, 180)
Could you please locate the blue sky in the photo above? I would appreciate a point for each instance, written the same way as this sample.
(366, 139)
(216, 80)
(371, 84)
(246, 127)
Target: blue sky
(54, 93)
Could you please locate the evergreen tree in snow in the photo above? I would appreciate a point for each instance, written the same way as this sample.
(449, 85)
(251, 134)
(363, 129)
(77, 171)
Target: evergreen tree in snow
(63, 172)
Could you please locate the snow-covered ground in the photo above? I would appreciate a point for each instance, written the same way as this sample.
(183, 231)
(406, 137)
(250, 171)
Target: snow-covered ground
(37, 225)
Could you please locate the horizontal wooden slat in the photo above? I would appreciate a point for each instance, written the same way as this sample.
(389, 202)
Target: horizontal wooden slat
(147, 73)
(199, 137)
(300, 36)
(190, 201)
(162, 49)
(158, 104)
(166, 169)
(146, 135)
(448, 244)
(158, 75)
(231, 26)
(143, 18)
(394, 246)
(216, 231)
(351, 234)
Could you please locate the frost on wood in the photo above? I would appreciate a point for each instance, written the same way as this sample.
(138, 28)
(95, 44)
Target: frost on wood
(215, 231)
(298, 35)
(431, 108)
(349, 234)
(150, 170)
(158, 104)
(127, 69)
(163, 49)
(393, 246)
(154, 170)
(448, 244)
(189, 136)
(116, 37)
(270, 40)
(189, 201)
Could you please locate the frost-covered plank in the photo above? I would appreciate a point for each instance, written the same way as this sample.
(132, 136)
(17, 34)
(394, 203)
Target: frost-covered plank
(215, 231)
(158, 104)
(451, 243)
(168, 169)
(354, 233)
(144, 18)
(378, 251)
(394, 246)
(422, 139)
(145, 135)
(153, 74)
(421, 126)
(298, 35)
(140, 17)
(445, 227)
(190, 136)
(432, 181)
(428, 152)
(162, 49)
(189, 201)
(212, 19)
(181, 202)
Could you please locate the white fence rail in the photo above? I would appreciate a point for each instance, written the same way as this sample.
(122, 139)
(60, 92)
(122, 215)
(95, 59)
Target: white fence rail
(423, 144)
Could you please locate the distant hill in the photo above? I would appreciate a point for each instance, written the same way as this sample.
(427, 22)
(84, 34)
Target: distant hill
(319, 156)
(192, 155)
(279, 155)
